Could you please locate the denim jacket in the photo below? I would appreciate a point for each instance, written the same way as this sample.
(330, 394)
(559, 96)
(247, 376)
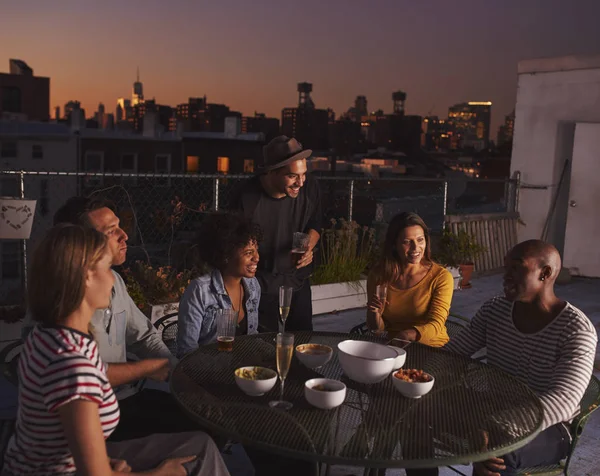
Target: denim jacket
(197, 309)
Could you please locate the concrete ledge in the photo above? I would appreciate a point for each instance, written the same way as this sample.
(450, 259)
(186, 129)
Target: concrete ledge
(561, 63)
(338, 296)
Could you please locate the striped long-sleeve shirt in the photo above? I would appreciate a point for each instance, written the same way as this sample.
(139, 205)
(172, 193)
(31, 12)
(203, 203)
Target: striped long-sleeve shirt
(58, 365)
(556, 362)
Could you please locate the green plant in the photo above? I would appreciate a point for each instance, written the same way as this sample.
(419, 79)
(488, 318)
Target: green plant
(347, 249)
(458, 248)
(148, 285)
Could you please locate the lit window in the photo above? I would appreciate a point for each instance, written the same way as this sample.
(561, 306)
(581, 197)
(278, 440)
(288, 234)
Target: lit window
(248, 166)
(223, 165)
(192, 164)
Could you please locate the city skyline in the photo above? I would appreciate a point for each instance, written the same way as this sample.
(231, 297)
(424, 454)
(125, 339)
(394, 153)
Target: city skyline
(251, 57)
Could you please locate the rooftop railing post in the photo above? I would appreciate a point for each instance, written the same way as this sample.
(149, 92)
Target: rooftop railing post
(445, 209)
(517, 190)
(350, 199)
(216, 194)
(24, 241)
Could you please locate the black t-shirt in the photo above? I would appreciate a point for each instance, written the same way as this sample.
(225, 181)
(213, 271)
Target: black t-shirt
(278, 219)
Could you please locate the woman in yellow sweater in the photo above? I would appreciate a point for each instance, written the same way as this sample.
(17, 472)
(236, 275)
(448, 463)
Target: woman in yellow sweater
(419, 291)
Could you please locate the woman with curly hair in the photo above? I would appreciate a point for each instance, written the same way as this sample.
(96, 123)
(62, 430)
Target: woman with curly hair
(229, 245)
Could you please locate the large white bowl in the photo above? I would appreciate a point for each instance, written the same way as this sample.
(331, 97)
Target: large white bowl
(399, 361)
(366, 362)
(255, 388)
(314, 355)
(322, 399)
(413, 389)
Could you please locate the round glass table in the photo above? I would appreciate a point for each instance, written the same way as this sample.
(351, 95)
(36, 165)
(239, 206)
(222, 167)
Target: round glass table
(474, 411)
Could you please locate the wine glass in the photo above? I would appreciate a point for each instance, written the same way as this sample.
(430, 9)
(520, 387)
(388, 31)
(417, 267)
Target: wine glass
(285, 301)
(381, 293)
(285, 347)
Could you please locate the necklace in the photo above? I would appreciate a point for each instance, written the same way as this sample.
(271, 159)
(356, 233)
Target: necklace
(239, 309)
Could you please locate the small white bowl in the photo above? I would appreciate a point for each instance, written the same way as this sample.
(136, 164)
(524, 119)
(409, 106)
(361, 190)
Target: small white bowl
(314, 355)
(366, 362)
(325, 400)
(398, 361)
(255, 388)
(413, 389)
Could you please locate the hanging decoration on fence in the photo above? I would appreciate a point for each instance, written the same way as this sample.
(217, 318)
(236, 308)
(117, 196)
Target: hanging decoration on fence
(16, 218)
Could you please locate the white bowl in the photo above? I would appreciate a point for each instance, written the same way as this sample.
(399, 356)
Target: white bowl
(314, 355)
(413, 389)
(255, 388)
(326, 400)
(398, 361)
(366, 362)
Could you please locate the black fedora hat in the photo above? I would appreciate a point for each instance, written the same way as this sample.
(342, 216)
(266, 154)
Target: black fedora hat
(282, 151)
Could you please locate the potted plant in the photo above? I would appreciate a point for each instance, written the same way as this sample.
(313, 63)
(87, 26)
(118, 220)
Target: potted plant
(156, 291)
(460, 250)
(347, 250)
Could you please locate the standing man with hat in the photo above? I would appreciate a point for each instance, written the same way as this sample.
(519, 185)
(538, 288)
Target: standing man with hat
(283, 200)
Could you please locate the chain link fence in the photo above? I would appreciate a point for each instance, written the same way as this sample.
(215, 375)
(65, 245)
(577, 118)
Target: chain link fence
(161, 213)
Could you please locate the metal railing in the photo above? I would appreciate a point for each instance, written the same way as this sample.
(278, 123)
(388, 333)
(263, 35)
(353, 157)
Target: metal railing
(161, 212)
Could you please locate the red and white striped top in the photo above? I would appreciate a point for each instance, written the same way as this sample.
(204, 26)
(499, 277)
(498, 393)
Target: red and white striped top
(58, 365)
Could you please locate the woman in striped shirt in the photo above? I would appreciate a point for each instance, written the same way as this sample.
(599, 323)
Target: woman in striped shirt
(67, 407)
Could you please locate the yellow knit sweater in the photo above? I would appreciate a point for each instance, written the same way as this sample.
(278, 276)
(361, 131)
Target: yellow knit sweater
(424, 307)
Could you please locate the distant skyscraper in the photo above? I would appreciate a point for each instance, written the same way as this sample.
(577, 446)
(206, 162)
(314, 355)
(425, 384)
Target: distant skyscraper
(360, 104)
(471, 123)
(57, 113)
(23, 94)
(99, 116)
(138, 91)
(269, 126)
(70, 107)
(399, 98)
(505, 133)
(306, 123)
(124, 111)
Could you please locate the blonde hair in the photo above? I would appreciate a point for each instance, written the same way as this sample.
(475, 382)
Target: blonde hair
(58, 271)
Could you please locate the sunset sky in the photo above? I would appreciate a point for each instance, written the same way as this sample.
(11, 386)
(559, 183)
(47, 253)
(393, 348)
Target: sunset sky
(250, 54)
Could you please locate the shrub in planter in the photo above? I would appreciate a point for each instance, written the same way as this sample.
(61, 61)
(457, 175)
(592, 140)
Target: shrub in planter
(459, 250)
(347, 250)
(150, 286)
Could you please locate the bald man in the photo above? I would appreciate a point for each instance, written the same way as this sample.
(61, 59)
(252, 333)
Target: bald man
(543, 341)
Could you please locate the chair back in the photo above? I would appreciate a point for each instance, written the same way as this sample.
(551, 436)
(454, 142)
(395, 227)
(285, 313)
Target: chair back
(9, 359)
(167, 327)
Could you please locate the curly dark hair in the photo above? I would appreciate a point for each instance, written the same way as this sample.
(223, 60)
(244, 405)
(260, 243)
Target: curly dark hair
(221, 235)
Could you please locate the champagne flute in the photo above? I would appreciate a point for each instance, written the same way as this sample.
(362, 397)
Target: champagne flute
(285, 301)
(285, 347)
(381, 293)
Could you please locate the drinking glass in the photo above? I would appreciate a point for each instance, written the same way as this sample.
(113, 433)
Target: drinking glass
(299, 247)
(226, 324)
(285, 301)
(381, 293)
(285, 347)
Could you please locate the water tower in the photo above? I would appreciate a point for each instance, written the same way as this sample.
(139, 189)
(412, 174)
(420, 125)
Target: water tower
(399, 98)
(304, 100)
